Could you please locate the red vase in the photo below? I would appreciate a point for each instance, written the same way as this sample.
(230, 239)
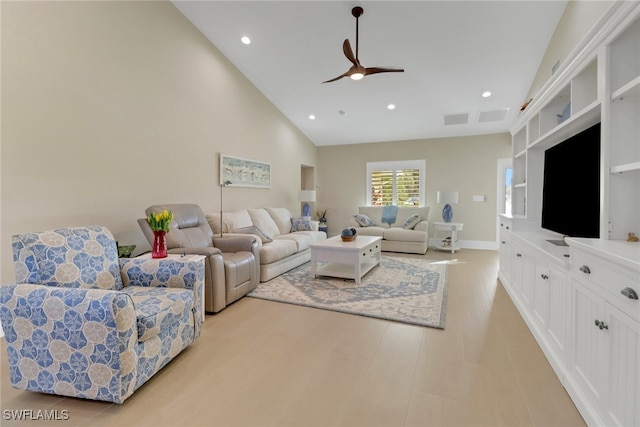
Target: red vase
(159, 249)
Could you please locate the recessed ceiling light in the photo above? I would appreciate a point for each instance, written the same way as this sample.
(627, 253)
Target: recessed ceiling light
(312, 117)
(391, 107)
(486, 94)
(245, 40)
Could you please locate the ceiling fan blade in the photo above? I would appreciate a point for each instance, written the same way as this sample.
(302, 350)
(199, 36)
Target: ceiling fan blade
(337, 78)
(357, 71)
(346, 48)
(377, 70)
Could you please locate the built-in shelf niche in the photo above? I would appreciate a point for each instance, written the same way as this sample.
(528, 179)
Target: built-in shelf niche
(624, 134)
(584, 88)
(534, 128)
(556, 111)
(519, 142)
(625, 57)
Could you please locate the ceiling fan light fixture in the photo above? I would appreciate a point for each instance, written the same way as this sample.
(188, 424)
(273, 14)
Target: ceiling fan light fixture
(357, 71)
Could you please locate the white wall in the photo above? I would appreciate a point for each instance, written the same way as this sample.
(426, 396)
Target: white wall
(578, 18)
(464, 164)
(109, 107)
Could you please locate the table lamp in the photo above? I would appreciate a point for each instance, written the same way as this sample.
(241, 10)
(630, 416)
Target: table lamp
(307, 196)
(447, 198)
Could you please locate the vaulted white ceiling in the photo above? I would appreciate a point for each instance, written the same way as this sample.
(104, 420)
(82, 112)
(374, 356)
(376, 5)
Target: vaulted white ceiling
(452, 52)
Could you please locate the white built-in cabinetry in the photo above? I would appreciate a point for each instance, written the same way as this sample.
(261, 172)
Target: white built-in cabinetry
(578, 300)
(536, 276)
(580, 303)
(601, 84)
(605, 367)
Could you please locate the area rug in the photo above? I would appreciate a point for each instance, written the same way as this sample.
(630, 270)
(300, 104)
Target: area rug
(408, 290)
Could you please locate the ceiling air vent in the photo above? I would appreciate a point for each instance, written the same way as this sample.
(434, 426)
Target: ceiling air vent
(492, 116)
(456, 119)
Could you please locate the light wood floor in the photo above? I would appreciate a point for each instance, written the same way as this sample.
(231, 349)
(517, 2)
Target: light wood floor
(261, 363)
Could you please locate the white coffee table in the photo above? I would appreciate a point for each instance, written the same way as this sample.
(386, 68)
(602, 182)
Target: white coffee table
(349, 260)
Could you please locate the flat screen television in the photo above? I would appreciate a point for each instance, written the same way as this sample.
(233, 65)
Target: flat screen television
(571, 185)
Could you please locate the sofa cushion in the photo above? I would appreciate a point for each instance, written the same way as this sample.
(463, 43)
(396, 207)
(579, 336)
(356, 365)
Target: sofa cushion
(302, 240)
(315, 236)
(282, 218)
(254, 229)
(404, 212)
(230, 221)
(301, 224)
(157, 308)
(411, 221)
(277, 250)
(405, 235)
(262, 219)
(364, 220)
(370, 231)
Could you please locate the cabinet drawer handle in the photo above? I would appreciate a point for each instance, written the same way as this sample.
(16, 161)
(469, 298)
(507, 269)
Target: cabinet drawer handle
(600, 324)
(629, 293)
(544, 276)
(585, 269)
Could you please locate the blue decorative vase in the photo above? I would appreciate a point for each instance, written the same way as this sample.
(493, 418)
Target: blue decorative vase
(447, 213)
(348, 234)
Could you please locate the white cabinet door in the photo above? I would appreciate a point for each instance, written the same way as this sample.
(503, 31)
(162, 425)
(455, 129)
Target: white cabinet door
(590, 344)
(505, 251)
(558, 314)
(527, 277)
(541, 293)
(623, 396)
(516, 255)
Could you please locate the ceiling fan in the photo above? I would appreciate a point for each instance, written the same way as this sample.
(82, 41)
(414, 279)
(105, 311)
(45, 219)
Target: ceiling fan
(357, 71)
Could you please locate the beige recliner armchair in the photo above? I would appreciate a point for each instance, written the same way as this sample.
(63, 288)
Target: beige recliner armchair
(232, 265)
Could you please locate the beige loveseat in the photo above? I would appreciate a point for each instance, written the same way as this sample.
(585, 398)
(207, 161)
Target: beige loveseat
(395, 238)
(281, 248)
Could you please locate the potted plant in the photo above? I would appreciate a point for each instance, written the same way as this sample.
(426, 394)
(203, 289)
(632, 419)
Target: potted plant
(321, 216)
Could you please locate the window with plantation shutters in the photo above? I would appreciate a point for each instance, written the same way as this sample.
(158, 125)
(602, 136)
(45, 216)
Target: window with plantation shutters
(398, 183)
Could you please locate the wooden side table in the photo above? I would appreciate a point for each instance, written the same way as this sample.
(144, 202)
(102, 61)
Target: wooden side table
(450, 242)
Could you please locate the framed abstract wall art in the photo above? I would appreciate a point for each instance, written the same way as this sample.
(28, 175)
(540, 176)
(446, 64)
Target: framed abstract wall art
(239, 172)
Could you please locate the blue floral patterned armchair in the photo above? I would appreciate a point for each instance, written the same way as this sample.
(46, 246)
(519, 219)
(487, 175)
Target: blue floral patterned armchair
(83, 323)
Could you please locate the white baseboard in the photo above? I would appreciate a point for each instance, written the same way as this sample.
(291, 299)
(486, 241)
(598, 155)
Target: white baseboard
(473, 244)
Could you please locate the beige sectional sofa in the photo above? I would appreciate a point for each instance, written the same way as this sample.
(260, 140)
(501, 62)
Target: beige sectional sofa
(395, 238)
(281, 248)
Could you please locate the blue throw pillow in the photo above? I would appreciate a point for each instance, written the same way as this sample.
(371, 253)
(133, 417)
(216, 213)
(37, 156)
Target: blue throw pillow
(412, 221)
(364, 220)
(301, 224)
